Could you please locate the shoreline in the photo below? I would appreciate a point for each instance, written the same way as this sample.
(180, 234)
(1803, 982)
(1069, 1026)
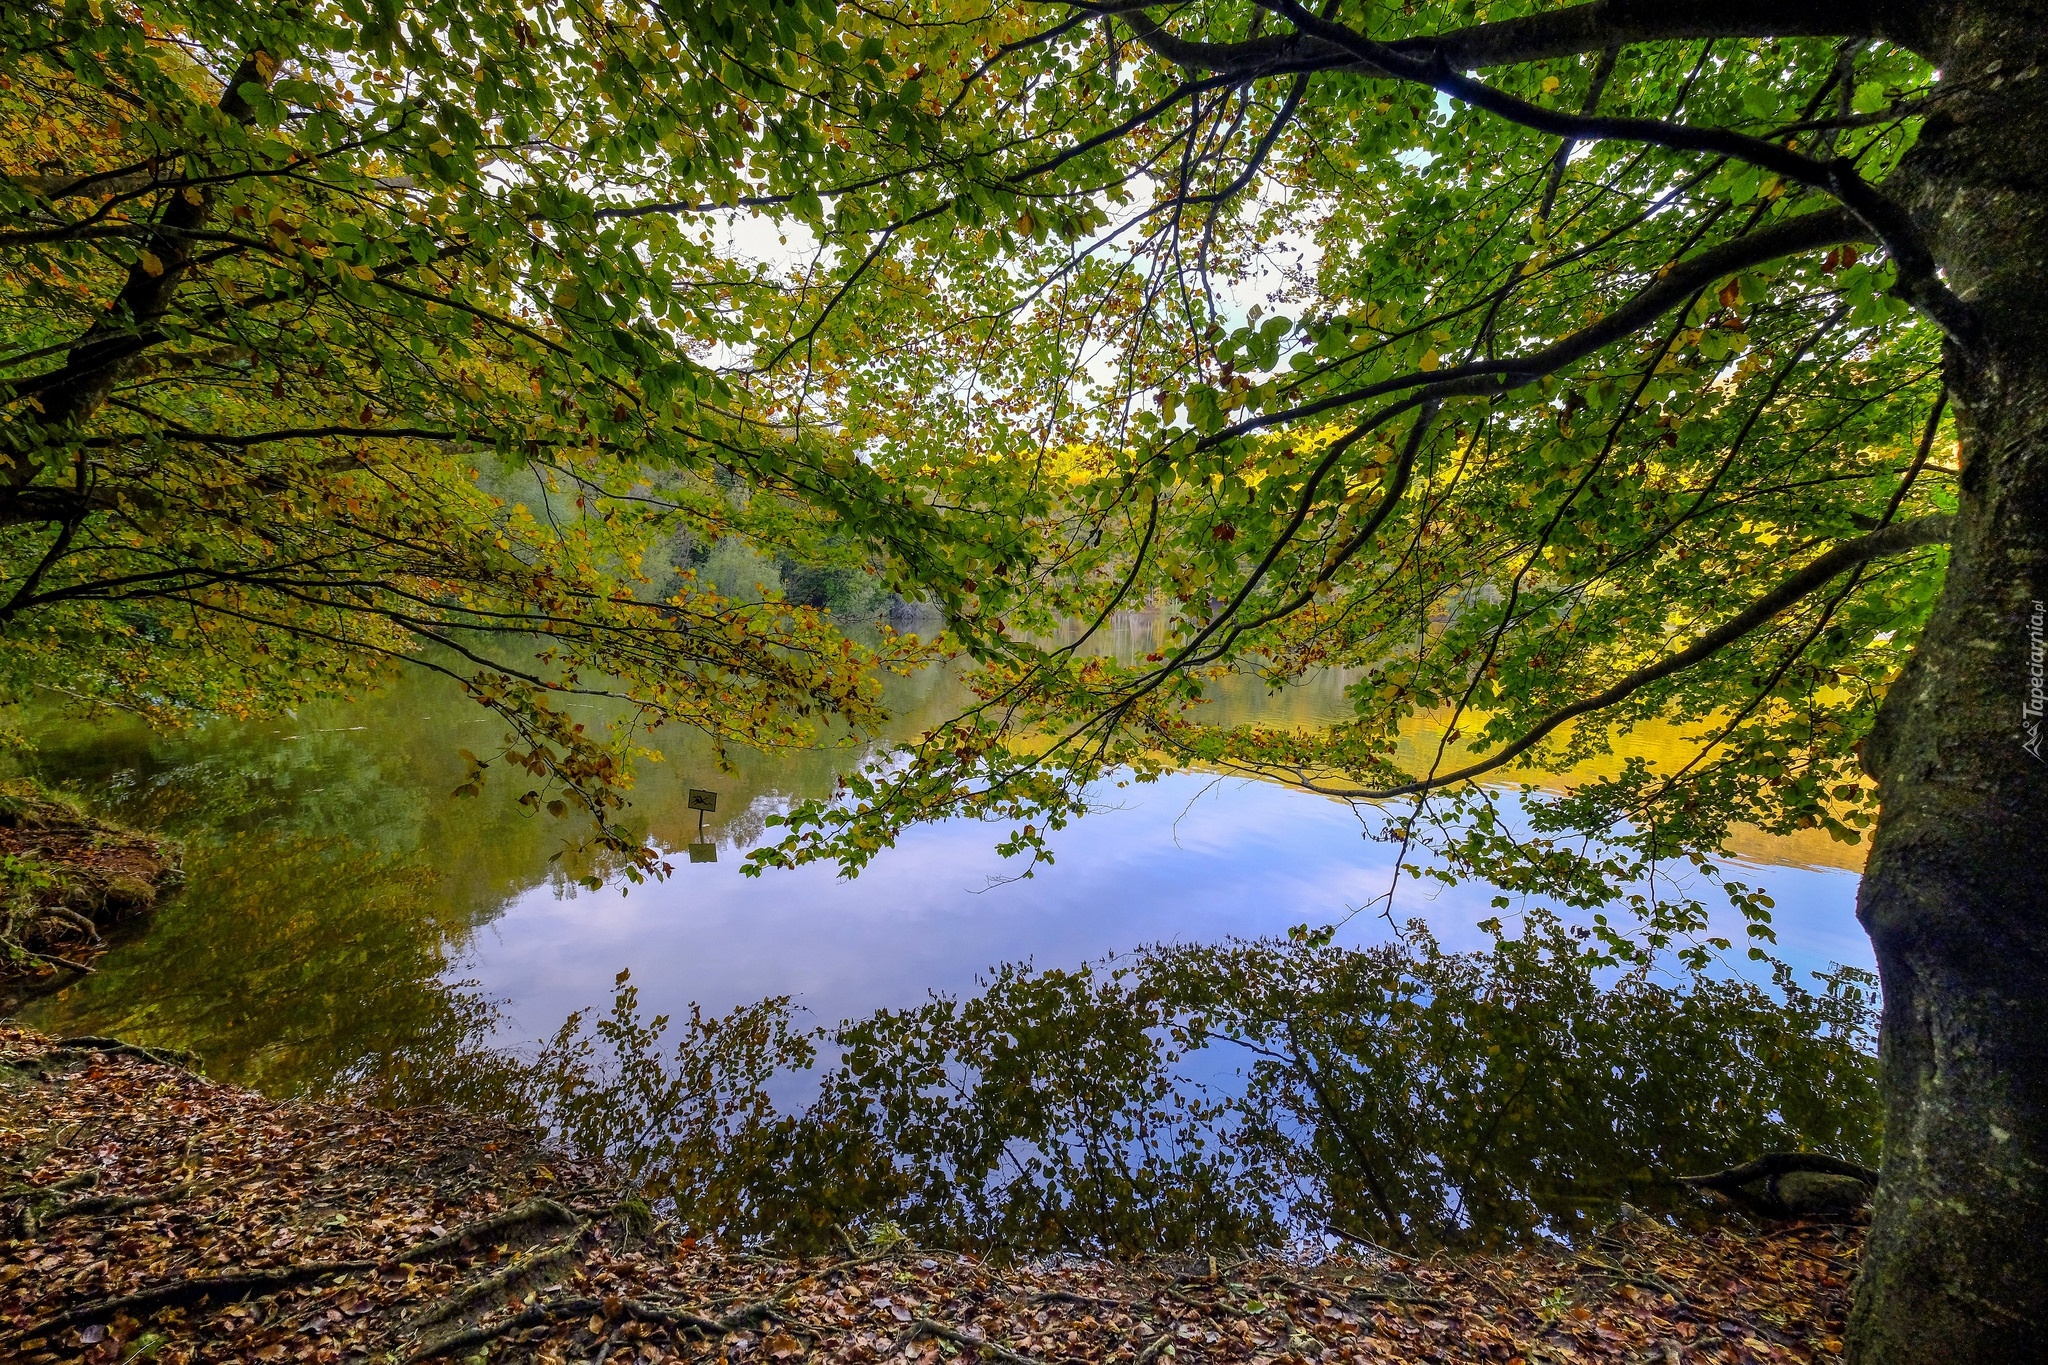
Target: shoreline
(151, 1212)
(66, 880)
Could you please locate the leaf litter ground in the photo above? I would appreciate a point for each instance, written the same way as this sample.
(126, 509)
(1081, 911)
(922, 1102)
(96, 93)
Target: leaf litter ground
(152, 1213)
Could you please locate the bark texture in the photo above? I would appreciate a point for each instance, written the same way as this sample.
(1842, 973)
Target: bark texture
(1955, 898)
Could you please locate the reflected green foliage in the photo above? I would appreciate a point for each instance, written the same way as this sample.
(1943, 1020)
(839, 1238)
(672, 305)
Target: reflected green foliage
(1194, 1098)
(331, 886)
(848, 591)
(1048, 1113)
(694, 1125)
(1419, 1095)
(317, 923)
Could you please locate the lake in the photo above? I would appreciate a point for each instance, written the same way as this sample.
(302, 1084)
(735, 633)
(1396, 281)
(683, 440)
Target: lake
(342, 912)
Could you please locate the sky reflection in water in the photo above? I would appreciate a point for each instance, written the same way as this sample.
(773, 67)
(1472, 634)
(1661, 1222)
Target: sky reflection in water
(340, 906)
(1187, 859)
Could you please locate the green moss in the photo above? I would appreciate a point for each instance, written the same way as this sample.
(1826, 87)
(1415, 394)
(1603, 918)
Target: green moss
(65, 876)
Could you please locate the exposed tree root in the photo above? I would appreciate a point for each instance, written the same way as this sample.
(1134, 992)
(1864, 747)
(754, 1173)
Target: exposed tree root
(1792, 1185)
(101, 1205)
(925, 1327)
(39, 1214)
(1153, 1348)
(690, 1322)
(1777, 1164)
(1358, 1293)
(557, 1310)
(120, 1047)
(68, 877)
(84, 1180)
(218, 1288)
(530, 1221)
(226, 1288)
(535, 1270)
(1082, 1300)
(488, 1332)
(75, 920)
(17, 948)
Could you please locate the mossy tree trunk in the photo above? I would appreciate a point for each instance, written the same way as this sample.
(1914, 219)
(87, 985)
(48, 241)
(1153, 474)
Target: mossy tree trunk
(1956, 894)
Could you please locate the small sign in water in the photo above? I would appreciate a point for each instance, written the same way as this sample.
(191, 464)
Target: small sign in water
(700, 802)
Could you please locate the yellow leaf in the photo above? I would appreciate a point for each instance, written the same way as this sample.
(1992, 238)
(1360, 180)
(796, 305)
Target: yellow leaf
(151, 264)
(1550, 83)
(1430, 360)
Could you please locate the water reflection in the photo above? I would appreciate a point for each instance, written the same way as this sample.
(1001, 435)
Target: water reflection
(1196, 1099)
(345, 921)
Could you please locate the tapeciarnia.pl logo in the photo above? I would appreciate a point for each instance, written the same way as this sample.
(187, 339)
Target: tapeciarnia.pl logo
(2036, 704)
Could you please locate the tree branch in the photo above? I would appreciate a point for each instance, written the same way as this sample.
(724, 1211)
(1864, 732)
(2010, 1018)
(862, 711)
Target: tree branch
(1440, 64)
(1571, 32)
(95, 363)
(1892, 540)
(1671, 289)
(1592, 27)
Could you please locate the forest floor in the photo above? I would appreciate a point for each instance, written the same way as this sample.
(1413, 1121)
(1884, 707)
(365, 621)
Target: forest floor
(148, 1212)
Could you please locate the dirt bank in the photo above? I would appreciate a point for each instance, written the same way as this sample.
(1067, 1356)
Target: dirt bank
(65, 880)
(150, 1212)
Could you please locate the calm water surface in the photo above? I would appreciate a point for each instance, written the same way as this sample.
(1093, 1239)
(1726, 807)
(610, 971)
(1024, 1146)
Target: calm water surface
(340, 908)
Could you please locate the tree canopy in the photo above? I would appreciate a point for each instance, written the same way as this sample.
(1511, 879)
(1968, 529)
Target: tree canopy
(1554, 368)
(321, 355)
(1552, 404)
(430, 324)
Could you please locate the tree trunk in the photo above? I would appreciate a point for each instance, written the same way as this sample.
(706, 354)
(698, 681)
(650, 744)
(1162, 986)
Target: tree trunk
(1956, 894)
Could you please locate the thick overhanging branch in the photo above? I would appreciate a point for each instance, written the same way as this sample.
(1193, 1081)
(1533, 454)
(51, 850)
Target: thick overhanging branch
(1671, 289)
(1891, 540)
(95, 363)
(102, 184)
(1441, 64)
(70, 233)
(243, 440)
(1570, 32)
(307, 290)
(1592, 27)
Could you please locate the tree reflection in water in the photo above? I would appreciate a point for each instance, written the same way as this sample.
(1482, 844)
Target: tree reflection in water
(1206, 1097)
